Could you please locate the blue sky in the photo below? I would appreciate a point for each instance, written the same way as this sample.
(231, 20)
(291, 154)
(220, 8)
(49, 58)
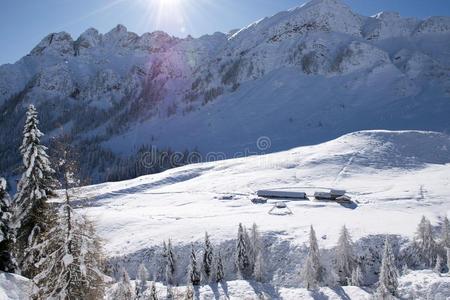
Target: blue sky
(23, 23)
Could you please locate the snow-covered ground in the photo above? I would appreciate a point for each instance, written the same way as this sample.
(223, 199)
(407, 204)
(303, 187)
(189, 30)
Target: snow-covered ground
(14, 287)
(414, 285)
(240, 289)
(393, 177)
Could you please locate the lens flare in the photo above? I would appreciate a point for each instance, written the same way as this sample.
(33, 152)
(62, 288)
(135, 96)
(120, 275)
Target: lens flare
(164, 14)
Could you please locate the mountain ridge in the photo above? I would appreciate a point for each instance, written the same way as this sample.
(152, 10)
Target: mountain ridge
(300, 77)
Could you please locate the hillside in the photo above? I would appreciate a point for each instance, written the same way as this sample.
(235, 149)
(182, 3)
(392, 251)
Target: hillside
(395, 177)
(299, 77)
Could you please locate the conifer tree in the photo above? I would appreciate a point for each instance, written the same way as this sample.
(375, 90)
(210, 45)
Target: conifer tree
(344, 261)
(438, 265)
(208, 257)
(153, 292)
(312, 272)
(70, 265)
(169, 293)
(445, 233)
(170, 263)
(141, 285)
(220, 275)
(429, 247)
(388, 282)
(190, 293)
(256, 253)
(243, 264)
(448, 259)
(31, 214)
(357, 277)
(7, 261)
(425, 243)
(70, 255)
(249, 244)
(123, 289)
(258, 271)
(420, 233)
(194, 273)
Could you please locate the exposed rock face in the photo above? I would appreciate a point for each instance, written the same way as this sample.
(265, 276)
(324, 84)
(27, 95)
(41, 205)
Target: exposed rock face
(55, 43)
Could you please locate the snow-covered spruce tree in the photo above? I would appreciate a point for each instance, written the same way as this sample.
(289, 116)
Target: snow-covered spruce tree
(445, 234)
(345, 259)
(170, 264)
(388, 282)
(153, 293)
(405, 269)
(249, 243)
(256, 252)
(312, 272)
(71, 260)
(258, 271)
(448, 259)
(425, 243)
(194, 272)
(123, 289)
(141, 285)
(242, 259)
(7, 261)
(169, 292)
(31, 214)
(190, 293)
(220, 275)
(208, 259)
(438, 265)
(357, 278)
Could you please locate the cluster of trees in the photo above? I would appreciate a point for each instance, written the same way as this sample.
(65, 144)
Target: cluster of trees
(148, 160)
(426, 251)
(49, 243)
(205, 267)
(423, 252)
(97, 163)
(347, 267)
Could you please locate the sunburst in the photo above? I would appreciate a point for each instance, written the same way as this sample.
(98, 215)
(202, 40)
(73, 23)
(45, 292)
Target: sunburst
(162, 14)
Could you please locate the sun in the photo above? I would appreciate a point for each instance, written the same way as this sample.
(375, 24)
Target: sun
(170, 3)
(162, 14)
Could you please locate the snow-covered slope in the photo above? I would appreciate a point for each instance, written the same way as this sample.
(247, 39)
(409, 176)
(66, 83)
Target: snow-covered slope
(14, 287)
(413, 285)
(393, 176)
(300, 77)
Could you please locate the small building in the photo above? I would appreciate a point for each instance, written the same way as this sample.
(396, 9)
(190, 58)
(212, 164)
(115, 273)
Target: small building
(344, 199)
(259, 200)
(281, 194)
(322, 196)
(336, 193)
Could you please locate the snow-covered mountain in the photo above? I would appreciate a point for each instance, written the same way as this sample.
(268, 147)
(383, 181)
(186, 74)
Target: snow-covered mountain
(299, 77)
(394, 178)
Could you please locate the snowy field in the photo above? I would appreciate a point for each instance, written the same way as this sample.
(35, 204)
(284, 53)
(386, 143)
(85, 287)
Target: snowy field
(394, 178)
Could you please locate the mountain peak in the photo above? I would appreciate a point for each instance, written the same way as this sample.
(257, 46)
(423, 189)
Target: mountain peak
(119, 29)
(89, 38)
(325, 3)
(60, 42)
(387, 15)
